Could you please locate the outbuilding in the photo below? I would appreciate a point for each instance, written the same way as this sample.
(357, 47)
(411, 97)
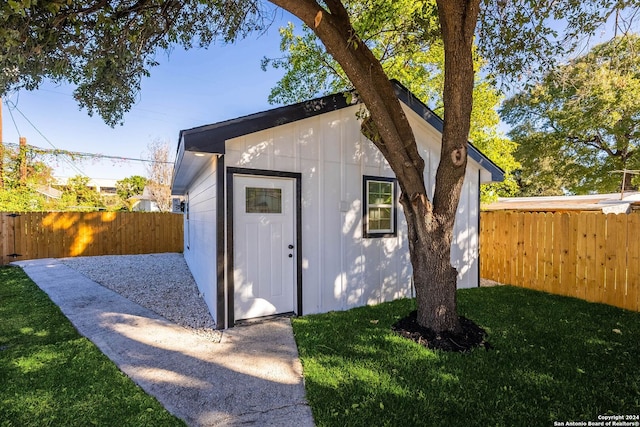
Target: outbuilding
(616, 203)
(293, 210)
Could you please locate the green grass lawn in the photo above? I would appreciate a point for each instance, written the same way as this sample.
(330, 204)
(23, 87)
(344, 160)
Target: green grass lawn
(52, 376)
(554, 359)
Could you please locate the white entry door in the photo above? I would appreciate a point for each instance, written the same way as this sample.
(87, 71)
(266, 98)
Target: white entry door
(263, 245)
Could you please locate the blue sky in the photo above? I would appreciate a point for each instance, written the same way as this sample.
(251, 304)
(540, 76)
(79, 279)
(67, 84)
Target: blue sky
(187, 89)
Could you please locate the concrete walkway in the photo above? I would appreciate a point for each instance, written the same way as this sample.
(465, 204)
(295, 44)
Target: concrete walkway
(252, 377)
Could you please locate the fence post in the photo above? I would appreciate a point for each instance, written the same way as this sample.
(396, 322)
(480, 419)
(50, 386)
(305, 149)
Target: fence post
(11, 237)
(632, 295)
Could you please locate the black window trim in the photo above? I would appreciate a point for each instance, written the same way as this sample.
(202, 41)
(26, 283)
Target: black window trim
(365, 207)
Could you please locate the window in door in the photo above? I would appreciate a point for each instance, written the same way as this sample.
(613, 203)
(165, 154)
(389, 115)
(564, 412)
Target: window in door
(263, 200)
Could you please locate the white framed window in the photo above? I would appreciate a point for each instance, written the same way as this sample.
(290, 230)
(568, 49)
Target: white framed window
(380, 206)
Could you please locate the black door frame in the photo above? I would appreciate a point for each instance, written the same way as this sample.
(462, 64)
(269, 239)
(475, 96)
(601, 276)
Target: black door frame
(231, 171)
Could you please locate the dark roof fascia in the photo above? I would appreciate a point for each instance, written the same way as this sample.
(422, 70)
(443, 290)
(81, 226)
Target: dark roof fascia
(178, 161)
(418, 107)
(212, 138)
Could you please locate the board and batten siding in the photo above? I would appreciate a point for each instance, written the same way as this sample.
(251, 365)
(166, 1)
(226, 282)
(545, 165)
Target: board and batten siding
(465, 243)
(200, 251)
(341, 269)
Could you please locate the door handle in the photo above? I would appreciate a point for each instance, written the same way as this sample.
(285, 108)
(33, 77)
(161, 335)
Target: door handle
(290, 246)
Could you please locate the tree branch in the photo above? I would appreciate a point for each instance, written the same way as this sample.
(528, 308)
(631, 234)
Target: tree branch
(372, 85)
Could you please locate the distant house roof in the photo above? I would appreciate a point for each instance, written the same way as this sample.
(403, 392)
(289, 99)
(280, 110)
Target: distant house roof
(48, 191)
(146, 194)
(607, 203)
(195, 143)
(144, 202)
(101, 185)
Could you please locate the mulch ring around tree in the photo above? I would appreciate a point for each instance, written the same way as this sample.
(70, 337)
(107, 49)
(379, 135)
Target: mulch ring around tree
(472, 335)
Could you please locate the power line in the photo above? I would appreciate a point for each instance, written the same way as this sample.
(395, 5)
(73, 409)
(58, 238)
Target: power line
(12, 118)
(66, 154)
(73, 166)
(59, 152)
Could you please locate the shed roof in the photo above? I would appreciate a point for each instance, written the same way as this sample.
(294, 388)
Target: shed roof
(195, 143)
(49, 191)
(607, 203)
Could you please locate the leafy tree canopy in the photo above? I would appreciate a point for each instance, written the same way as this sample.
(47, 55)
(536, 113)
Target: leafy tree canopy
(78, 194)
(36, 196)
(400, 34)
(525, 38)
(397, 32)
(580, 123)
(130, 186)
(105, 47)
(18, 160)
(22, 199)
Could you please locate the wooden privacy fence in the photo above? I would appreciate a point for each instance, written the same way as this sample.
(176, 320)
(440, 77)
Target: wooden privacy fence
(32, 235)
(587, 255)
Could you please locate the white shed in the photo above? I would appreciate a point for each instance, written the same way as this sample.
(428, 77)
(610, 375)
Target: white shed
(293, 210)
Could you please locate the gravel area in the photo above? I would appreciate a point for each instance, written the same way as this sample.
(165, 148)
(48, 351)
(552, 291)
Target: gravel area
(489, 282)
(160, 282)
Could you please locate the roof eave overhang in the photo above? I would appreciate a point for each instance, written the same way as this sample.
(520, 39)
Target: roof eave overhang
(194, 153)
(197, 145)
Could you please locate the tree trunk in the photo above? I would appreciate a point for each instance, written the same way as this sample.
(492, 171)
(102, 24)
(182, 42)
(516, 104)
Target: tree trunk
(430, 226)
(434, 278)
(458, 20)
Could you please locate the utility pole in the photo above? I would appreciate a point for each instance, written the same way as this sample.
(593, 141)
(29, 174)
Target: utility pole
(23, 160)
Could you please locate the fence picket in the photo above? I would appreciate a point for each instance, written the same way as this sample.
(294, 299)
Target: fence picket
(567, 255)
(617, 297)
(600, 257)
(519, 274)
(611, 249)
(512, 251)
(528, 255)
(557, 260)
(582, 255)
(632, 295)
